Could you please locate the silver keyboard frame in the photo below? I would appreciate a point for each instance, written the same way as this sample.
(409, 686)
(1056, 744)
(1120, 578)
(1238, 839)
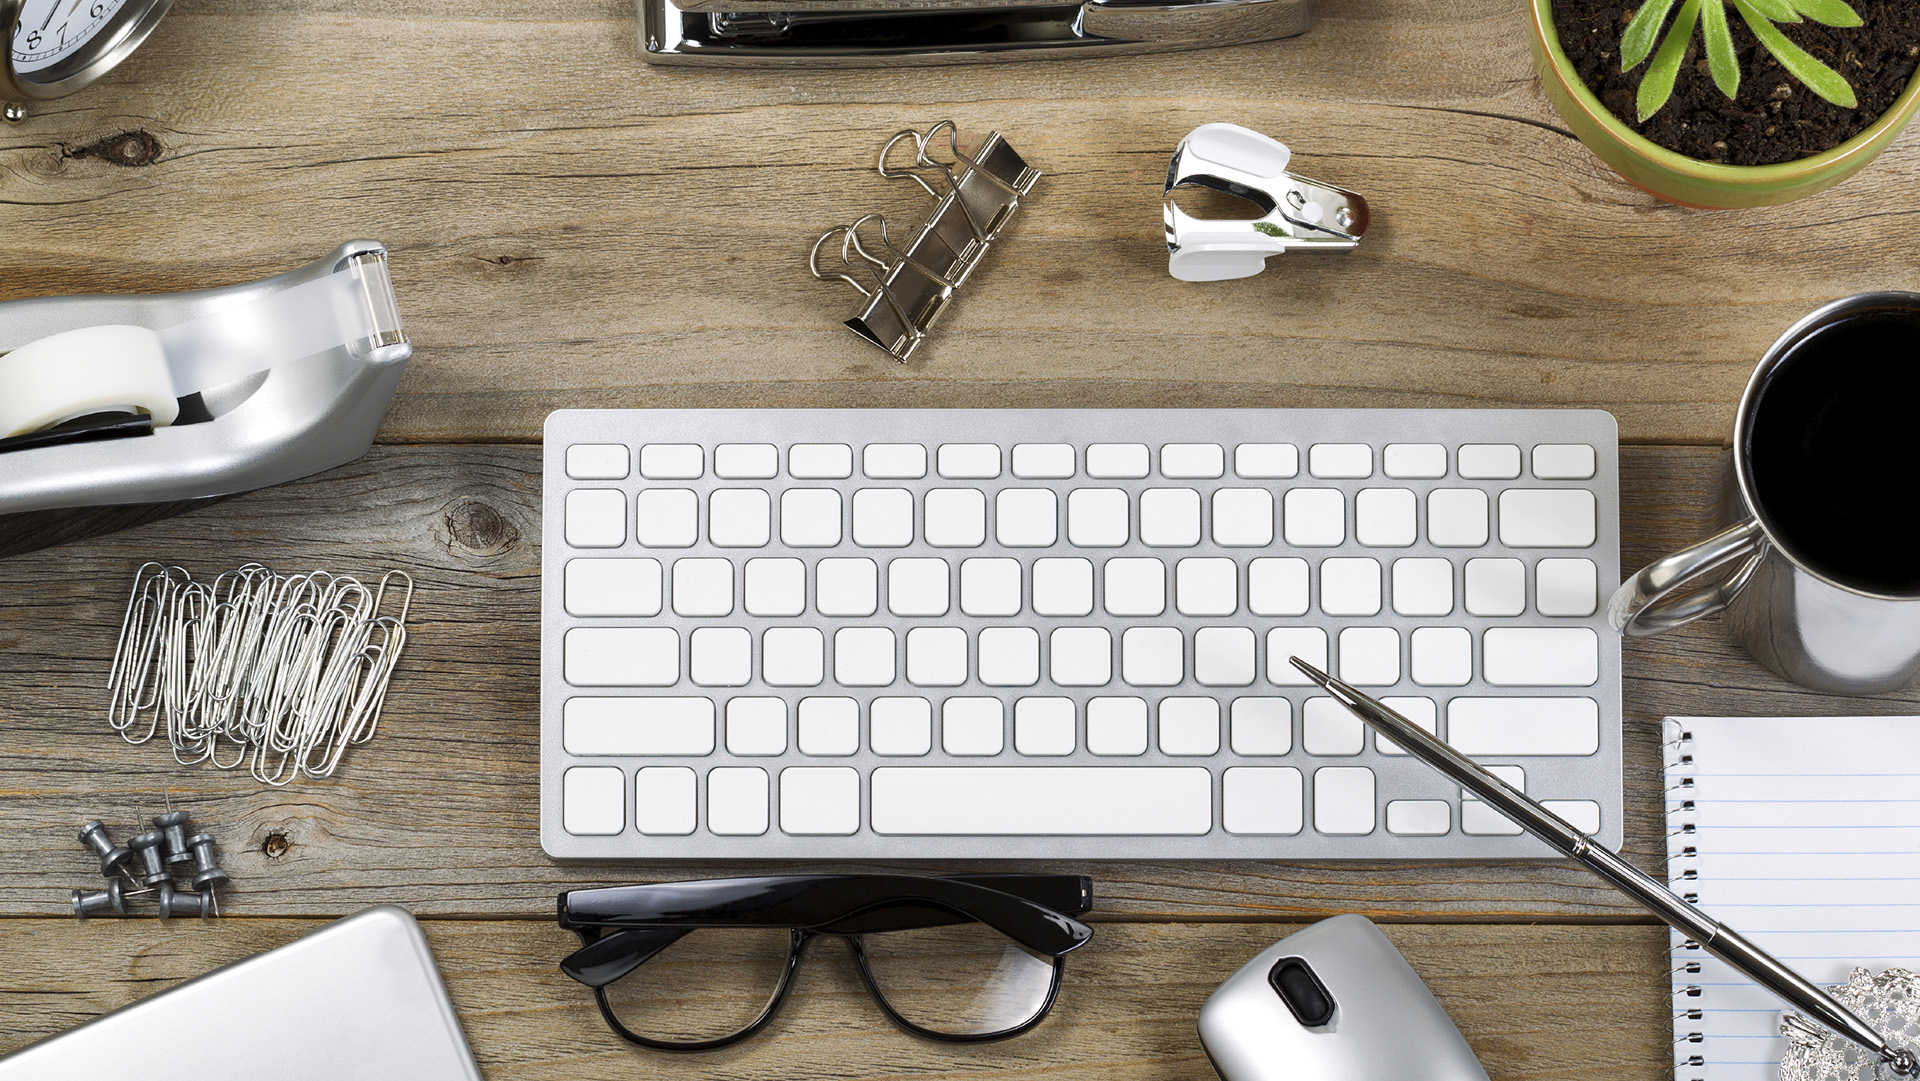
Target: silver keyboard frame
(1596, 777)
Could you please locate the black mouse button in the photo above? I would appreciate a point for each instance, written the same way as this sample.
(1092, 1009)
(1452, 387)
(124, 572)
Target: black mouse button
(1302, 991)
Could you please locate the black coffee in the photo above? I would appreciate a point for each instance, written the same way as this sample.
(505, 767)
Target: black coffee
(1832, 446)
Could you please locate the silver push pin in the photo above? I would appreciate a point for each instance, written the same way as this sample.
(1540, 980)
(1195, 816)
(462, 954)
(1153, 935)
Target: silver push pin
(113, 899)
(112, 856)
(1298, 213)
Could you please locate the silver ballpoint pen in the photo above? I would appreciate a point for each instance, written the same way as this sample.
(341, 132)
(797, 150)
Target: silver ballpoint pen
(1715, 937)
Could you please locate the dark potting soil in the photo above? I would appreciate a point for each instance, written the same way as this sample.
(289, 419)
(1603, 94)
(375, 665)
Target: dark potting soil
(1775, 118)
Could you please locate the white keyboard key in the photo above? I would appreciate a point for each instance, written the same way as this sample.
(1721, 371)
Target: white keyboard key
(1541, 656)
(956, 518)
(1496, 587)
(1340, 460)
(918, 587)
(1350, 586)
(1117, 460)
(756, 726)
(990, 587)
(1489, 461)
(1329, 729)
(1097, 517)
(1315, 517)
(971, 727)
(1415, 461)
(613, 587)
(1013, 801)
(1420, 711)
(1343, 800)
(1523, 727)
(1442, 656)
(820, 801)
(746, 461)
(1243, 517)
(1189, 726)
(597, 461)
(1009, 656)
(1152, 656)
(1277, 587)
(964, 460)
(739, 518)
(1043, 460)
(667, 518)
(830, 727)
(1135, 587)
(1457, 517)
(1223, 656)
(1548, 518)
(1284, 643)
(1419, 817)
(883, 517)
(778, 587)
(1423, 587)
(1026, 517)
(1170, 517)
(1198, 460)
(1563, 461)
(1260, 461)
(1043, 726)
(1262, 726)
(702, 587)
(1513, 777)
(596, 518)
(1206, 587)
(820, 461)
(1262, 800)
(1581, 814)
(863, 656)
(882, 461)
(810, 517)
(637, 726)
(1116, 727)
(720, 656)
(901, 727)
(1480, 820)
(793, 656)
(664, 804)
(672, 461)
(1384, 518)
(1562, 587)
(621, 656)
(846, 587)
(1370, 656)
(1062, 587)
(593, 801)
(737, 801)
(1080, 656)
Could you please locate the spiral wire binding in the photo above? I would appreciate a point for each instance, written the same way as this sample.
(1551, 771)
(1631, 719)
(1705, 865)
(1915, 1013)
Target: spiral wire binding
(1689, 1063)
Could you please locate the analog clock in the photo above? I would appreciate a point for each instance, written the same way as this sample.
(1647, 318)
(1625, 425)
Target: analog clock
(55, 47)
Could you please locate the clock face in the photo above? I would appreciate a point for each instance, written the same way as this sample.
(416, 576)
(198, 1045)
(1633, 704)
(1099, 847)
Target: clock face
(51, 31)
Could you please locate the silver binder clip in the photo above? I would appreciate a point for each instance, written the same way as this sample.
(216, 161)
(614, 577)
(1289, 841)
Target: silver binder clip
(908, 285)
(1299, 213)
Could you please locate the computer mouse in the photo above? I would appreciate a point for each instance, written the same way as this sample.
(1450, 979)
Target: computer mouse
(1335, 1002)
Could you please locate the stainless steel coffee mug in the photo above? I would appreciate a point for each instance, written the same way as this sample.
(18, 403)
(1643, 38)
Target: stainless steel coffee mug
(1794, 615)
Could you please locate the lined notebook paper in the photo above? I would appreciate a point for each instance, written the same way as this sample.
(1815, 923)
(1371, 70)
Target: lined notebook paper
(1804, 835)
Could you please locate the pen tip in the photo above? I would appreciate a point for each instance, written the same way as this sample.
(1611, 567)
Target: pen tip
(1310, 671)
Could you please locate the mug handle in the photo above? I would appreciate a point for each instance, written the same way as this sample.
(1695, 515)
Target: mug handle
(1645, 605)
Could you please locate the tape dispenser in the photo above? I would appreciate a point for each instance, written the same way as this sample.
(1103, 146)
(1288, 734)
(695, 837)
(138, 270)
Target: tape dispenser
(153, 399)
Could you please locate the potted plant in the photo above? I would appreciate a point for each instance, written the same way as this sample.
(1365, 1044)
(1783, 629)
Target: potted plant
(1731, 103)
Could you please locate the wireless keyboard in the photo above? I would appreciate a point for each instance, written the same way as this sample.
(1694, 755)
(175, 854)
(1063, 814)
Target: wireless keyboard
(921, 633)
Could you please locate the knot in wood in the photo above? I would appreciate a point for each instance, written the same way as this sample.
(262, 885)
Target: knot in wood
(276, 846)
(477, 527)
(127, 149)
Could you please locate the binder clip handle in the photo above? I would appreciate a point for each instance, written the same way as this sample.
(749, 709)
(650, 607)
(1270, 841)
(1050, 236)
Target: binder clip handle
(1296, 212)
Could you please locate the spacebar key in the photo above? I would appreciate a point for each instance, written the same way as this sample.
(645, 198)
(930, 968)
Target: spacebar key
(1007, 801)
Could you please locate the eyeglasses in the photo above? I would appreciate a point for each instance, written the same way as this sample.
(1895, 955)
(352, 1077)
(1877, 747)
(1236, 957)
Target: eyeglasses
(692, 966)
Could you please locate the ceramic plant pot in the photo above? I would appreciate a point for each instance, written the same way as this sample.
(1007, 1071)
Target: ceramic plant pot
(1690, 181)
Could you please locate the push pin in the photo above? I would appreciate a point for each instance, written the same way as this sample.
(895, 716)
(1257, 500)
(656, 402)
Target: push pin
(185, 903)
(1295, 212)
(173, 825)
(93, 904)
(209, 877)
(112, 856)
(147, 846)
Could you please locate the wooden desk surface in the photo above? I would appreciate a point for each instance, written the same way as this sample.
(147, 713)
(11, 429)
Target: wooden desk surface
(570, 227)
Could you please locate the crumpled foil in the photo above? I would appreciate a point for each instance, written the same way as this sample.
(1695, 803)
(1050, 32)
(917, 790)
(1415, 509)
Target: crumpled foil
(1890, 1002)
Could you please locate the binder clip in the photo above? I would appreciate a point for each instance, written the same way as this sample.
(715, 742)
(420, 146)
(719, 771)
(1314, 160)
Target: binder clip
(912, 283)
(154, 399)
(1297, 212)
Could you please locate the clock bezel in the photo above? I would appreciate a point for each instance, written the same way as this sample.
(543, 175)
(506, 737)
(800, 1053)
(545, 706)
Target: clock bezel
(125, 32)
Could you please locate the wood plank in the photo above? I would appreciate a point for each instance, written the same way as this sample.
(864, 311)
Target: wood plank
(1534, 1002)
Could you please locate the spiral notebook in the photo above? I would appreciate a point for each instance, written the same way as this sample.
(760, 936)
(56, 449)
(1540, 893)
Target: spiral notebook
(1804, 835)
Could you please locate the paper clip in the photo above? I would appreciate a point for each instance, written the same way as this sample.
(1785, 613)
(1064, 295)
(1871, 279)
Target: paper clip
(1296, 212)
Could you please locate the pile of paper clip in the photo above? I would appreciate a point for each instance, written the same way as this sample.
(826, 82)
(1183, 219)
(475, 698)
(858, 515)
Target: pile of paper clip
(280, 672)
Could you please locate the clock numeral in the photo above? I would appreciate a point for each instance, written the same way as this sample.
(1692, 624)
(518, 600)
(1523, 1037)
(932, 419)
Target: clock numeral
(99, 10)
(33, 40)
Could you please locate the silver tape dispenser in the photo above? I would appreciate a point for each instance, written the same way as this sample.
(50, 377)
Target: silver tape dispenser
(151, 399)
(1296, 213)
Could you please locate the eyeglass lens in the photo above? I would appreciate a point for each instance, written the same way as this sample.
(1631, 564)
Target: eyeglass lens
(959, 980)
(709, 985)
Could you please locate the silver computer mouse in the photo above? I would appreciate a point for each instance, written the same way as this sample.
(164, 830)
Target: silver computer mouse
(1335, 1002)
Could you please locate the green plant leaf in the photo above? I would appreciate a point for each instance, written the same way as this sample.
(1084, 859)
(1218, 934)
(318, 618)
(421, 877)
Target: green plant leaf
(1719, 40)
(1780, 11)
(1656, 86)
(1642, 32)
(1801, 64)
(1829, 12)
(1268, 228)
